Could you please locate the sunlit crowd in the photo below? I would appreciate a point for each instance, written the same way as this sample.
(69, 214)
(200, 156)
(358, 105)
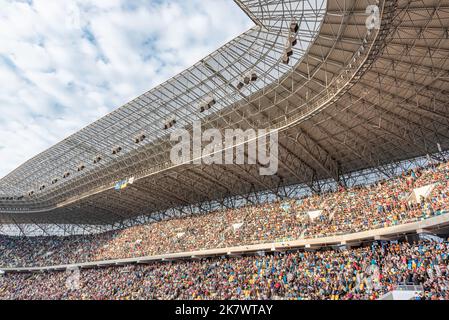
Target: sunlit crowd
(378, 205)
(365, 273)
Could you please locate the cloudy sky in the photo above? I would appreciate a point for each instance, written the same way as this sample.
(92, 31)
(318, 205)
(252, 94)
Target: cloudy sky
(64, 64)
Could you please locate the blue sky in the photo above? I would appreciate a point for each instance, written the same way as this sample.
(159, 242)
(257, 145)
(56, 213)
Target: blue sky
(64, 64)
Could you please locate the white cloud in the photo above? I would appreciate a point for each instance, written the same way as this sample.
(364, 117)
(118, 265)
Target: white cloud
(64, 64)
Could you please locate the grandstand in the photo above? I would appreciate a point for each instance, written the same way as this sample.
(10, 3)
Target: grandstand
(357, 91)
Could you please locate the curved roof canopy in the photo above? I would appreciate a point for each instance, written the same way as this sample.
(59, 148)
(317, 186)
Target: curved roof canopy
(259, 51)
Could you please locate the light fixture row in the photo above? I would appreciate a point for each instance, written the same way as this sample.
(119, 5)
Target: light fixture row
(208, 103)
(291, 42)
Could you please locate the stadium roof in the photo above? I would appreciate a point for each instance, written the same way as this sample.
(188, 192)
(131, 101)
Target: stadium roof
(351, 98)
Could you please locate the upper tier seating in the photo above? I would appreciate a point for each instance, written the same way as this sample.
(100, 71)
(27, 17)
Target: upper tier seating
(379, 205)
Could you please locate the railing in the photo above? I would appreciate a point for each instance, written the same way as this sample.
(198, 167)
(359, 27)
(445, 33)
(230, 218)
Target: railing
(409, 287)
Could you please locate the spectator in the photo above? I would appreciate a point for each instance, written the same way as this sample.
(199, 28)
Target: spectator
(363, 273)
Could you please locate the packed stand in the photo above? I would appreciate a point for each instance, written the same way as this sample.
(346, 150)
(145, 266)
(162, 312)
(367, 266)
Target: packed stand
(364, 273)
(383, 204)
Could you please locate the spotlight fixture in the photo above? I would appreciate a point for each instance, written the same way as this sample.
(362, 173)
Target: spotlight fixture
(81, 167)
(254, 76)
(42, 187)
(247, 79)
(169, 124)
(251, 77)
(97, 159)
(55, 181)
(31, 193)
(66, 175)
(286, 59)
(116, 150)
(240, 85)
(208, 103)
(139, 138)
(294, 27)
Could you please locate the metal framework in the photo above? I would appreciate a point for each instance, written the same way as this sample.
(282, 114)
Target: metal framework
(351, 100)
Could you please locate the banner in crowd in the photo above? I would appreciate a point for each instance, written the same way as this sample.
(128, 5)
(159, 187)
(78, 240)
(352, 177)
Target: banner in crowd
(123, 184)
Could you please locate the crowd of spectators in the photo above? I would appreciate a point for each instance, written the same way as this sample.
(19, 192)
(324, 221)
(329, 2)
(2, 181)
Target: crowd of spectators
(382, 204)
(364, 273)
